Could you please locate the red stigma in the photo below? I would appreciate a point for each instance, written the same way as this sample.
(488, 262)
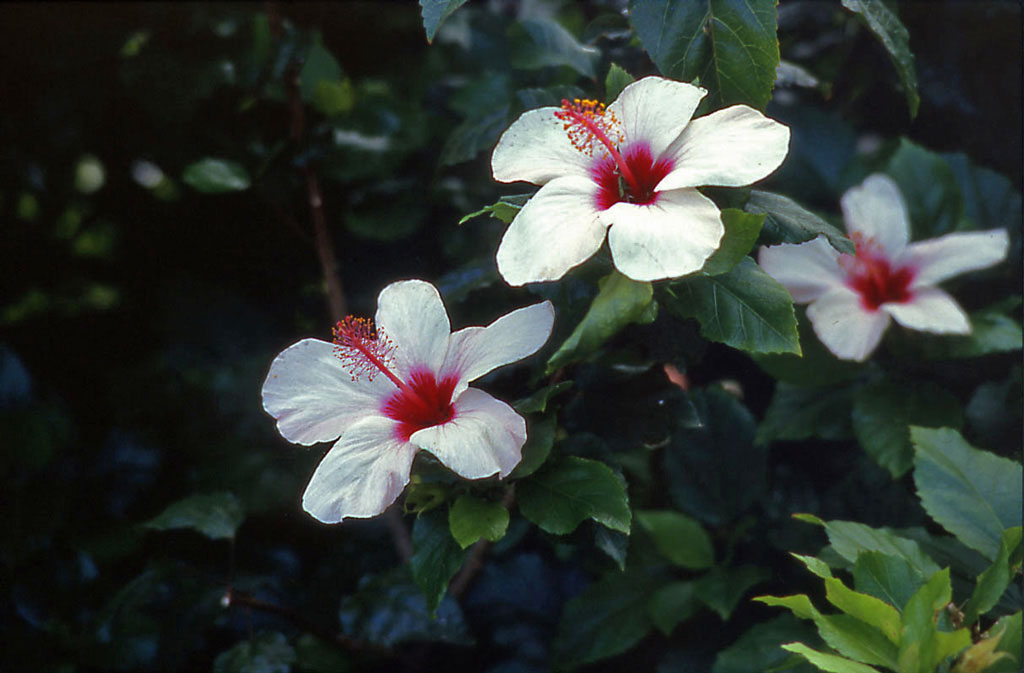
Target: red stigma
(362, 349)
(870, 274)
(589, 125)
(647, 173)
(423, 403)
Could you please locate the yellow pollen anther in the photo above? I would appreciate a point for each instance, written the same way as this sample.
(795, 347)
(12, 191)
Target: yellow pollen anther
(362, 348)
(588, 125)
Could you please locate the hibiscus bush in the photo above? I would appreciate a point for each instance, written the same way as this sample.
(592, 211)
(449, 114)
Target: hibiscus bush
(656, 335)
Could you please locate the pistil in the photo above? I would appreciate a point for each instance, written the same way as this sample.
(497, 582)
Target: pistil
(586, 121)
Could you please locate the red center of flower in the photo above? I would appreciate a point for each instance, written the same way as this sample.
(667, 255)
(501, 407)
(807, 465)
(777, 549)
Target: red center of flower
(421, 402)
(647, 173)
(870, 274)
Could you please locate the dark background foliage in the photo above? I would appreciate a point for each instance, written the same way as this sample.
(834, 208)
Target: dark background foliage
(137, 321)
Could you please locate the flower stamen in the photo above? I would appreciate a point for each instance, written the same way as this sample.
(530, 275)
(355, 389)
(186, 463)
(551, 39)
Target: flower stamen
(363, 349)
(588, 123)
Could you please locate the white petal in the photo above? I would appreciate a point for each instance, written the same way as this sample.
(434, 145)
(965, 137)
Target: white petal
(807, 270)
(474, 351)
(844, 326)
(556, 230)
(312, 395)
(930, 310)
(655, 111)
(362, 474)
(732, 147)
(484, 438)
(875, 208)
(411, 314)
(537, 149)
(671, 237)
(940, 258)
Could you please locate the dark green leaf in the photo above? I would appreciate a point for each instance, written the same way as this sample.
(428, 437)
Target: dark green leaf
(993, 582)
(609, 617)
(216, 176)
(537, 403)
(700, 461)
(616, 80)
(973, 494)
(890, 578)
(816, 366)
(215, 515)
(741, 231)
(990, 200)
(922, 645)
(786, 221)
(473, 136)
(680, 539)
(884, 411)
(313, 655)
(319, 66)
(268, 652)
(1006, 655)
(731, 45)
(560, 496)
(541, 42)
(671, 604)
(619, 302)
(802, 412)
(759, 649)
(929, 188)
(744, 308)
(539, 440)
(471, 518)
(390, 609)
(885, 24)
(850, 538)
(436, 556)
(435, 12)
(722, 588)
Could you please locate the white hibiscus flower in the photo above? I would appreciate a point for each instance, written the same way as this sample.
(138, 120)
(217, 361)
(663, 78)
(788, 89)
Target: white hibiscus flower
(853, 297)
(386, 392)
(630, 169)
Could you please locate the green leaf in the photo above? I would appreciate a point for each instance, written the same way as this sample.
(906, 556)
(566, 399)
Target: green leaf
(331, 98)
(815, 565)
(741, 232)
(541, 42)
(759, 649)
(539, 440)
(922, 645)
(216, 176)
(850, 539)
(929, 188)
(671, 604)
(268, 652)
(815, 366)
(890, 578)
(730, 45)
(786, 221)
(990, 200)
(215, 515)
(560, 496)
(319, 66)
(471, 518)
(700, 462)
(1005, 656)
(994, 580)
(680, 539)
(619, 302)
(722, 588)
(613, 543)
(608, 618)
(744, 308)
(884, 411)
(846, 634)
(473, 136)
(828, 662)
(802, 412)
(883, 22)
(436, 556)
(505, 209)
(973, 494)
(435, 12)
(537, 403)
(616, 80)
(866, 608)
(313, 655)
